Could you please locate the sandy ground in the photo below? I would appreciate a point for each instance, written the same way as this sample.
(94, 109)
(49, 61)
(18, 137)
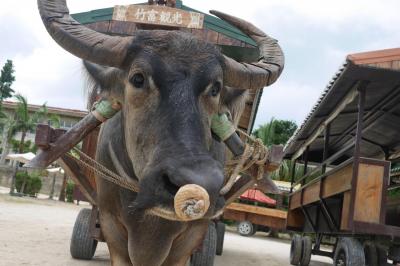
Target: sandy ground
(37, 232)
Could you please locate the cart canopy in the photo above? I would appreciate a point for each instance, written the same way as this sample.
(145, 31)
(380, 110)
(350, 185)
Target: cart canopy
(379, 72)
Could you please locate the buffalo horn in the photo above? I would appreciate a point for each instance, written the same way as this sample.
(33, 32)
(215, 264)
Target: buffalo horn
(79, 40)
(257, 74)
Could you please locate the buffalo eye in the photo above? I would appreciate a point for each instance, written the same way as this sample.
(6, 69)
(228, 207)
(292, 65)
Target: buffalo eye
(138, 80)
(215, 89)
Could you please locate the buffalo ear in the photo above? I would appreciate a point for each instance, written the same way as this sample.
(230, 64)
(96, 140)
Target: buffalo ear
(233, 100)
(105, 77)
(103, 80)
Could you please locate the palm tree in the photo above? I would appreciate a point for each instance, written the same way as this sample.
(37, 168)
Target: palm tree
(266, 133)
(25, 121)
(55, 121)
(9, 130)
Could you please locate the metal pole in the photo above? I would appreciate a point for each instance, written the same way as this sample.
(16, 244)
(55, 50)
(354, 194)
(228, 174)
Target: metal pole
(360, 116)
(326, 146)
(305, 170)
(292, 173)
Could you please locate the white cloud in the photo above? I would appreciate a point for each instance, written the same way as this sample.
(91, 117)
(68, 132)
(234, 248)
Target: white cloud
(289, 101)
(316, 36)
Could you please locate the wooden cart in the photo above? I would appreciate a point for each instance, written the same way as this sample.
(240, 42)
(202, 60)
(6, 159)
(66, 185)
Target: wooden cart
(255, 218)
(341, 157)
(115, 21)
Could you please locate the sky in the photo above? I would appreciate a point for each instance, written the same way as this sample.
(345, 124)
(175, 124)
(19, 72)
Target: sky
(315, 36)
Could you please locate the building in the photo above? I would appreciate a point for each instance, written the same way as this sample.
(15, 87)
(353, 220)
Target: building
(68, 117)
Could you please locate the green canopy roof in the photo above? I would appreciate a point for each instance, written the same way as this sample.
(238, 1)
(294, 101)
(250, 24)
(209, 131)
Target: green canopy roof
(210, 22)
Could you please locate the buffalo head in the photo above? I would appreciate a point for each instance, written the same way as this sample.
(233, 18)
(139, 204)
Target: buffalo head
(169, 84)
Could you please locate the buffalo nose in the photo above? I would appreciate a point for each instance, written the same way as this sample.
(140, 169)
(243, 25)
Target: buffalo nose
(207, 174)
(191, 202)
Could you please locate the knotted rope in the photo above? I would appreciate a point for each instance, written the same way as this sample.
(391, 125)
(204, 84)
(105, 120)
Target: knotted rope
(191, 202)
(254, 153)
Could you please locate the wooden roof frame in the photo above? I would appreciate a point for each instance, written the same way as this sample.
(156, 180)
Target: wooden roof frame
(381, 60)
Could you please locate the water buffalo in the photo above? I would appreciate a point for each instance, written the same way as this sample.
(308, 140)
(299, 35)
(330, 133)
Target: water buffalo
(169, 84)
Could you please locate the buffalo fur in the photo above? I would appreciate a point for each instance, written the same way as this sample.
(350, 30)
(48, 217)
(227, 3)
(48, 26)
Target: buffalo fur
(162, 139)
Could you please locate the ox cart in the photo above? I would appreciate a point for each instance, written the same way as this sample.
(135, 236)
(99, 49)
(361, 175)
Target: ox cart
(342, 155)
(81, 166)
(250, 218)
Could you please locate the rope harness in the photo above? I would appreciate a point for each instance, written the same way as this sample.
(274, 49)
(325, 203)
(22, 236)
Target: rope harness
(254, 153)
(187, 206)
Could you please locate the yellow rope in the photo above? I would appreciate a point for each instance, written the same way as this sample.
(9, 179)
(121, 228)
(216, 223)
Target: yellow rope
(254, 153)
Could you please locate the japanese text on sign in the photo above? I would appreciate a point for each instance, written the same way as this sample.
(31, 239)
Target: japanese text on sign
(159, 15)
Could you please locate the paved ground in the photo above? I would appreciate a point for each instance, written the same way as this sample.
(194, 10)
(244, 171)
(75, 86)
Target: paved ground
(37, 232)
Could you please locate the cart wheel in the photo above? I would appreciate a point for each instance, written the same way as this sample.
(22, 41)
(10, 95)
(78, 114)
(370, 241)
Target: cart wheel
(295, 250)
(205, 256)
(306, 251)
(382, 255)
(371, 254)
(349, 252)
(220, 237)
(394, 253)
(246, 228)
(82, 244)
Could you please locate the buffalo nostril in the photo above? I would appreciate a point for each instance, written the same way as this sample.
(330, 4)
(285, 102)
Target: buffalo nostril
(169, 186)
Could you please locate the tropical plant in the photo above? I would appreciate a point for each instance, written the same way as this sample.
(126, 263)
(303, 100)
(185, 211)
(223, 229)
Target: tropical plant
(69, 191)
(275, 132)
(9, 130)
(28, 146)
(25, 121)
(6, 80)
(284, 171)
(33, 183)
(55, 120)
(266, 133)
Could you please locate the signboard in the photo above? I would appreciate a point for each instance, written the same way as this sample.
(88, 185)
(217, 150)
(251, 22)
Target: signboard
(159, 15)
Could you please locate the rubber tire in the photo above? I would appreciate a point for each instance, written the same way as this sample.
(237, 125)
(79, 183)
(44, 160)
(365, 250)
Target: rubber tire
(248, 224)
(382, 256)
(296, 248)
(82, 245)
(306, 242)
(220, 226)
(371, 254)
(206, 256)
(351, 251)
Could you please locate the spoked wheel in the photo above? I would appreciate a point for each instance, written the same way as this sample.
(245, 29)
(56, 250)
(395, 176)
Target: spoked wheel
(349, 252)
(246, 228)
(82, 245)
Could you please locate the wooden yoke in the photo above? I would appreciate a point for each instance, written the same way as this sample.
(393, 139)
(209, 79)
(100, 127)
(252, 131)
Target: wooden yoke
(53, 146)
(51, 151)
(225, 130)
(49, 140)
(247, 180)
(54, 143)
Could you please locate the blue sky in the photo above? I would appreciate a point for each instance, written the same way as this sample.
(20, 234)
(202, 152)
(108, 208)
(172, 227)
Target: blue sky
(315, 35)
